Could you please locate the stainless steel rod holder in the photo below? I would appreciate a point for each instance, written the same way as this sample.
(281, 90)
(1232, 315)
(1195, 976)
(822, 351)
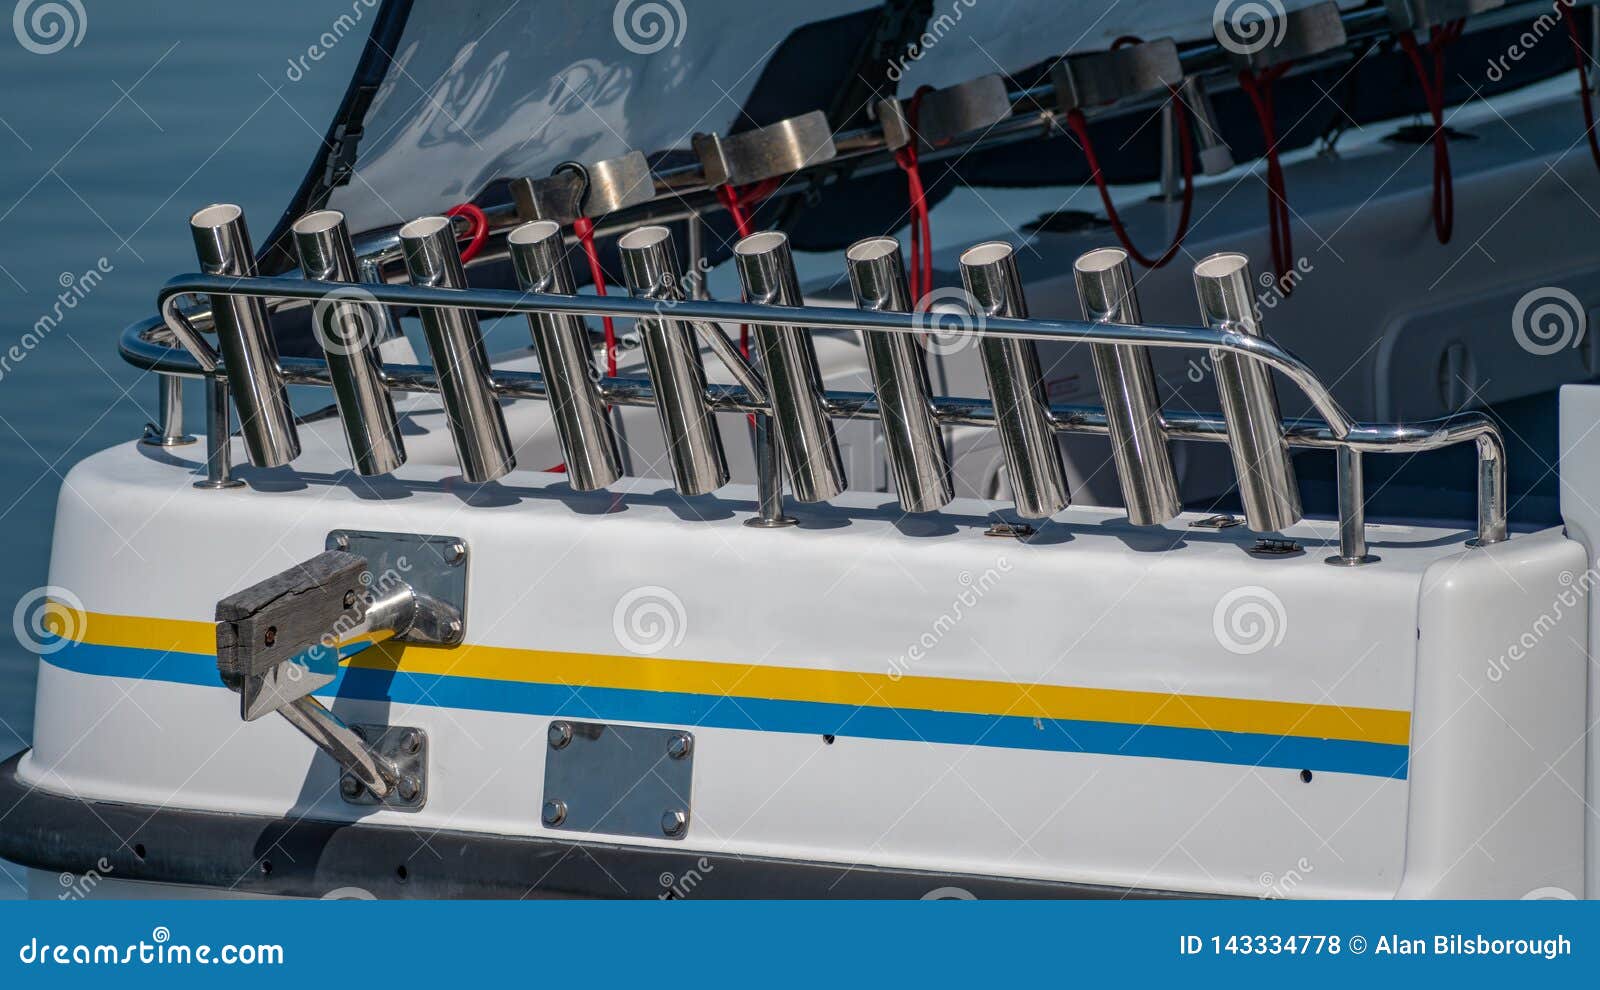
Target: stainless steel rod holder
(222, 242)
(804, 430)
(349, 327)
(1128, 391)
(168, 430)
(1267, 485)
(1352, 512)
(539, 256)
(694, 444)
(917, 456)
(1016, 384)
(477, 424)
(219, 437)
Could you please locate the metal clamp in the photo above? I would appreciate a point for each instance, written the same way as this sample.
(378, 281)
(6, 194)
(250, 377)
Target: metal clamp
(611, 184)
(1416, 15)
(1096, 78)
(281, 639)
(765, 152)
(1295, 35)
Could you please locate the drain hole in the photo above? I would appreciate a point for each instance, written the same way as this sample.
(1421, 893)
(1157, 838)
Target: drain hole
(1305, 775)
(266, 867)
(828, 739)
(401, 873)
(138, 850)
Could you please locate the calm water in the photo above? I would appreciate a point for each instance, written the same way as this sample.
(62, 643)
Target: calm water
(105, 149)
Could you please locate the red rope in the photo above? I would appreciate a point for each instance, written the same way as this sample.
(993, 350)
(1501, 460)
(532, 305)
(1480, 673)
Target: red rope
(1582, 60)
(1444, 197)
(1260, 89)
(477, 228)
(583, 227)
(1080, 127)
(921, 274)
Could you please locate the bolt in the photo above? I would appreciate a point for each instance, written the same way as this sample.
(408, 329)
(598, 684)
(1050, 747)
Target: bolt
(409, 788)
(453, 628)
(350, 787)
(271, 636)
(349, 598)
(559, 734)
(342, 541)
(673, 822)
(455, 553)
(555, 812)
(411, 741)
(680, 746)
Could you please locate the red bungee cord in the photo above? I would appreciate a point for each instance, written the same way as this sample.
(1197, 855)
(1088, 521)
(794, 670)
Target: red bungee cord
(477, 228)
(1259, 87)
(921, 274)
(1582, 60)
(1080, 128)
(1444, 197)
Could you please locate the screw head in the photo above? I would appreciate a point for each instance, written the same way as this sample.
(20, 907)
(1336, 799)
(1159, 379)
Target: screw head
(680, 746)
(408, 788)
(674, 821)
(350, 787)
(411, 741)
(555, 812)
(342, 541)
(349, 598)
(455, 553)
(559, 734)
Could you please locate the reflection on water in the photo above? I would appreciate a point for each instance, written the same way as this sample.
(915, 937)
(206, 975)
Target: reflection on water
(106, 147)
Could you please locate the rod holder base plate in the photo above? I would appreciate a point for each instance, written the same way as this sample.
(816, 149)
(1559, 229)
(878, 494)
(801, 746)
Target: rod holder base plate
(1361, 561)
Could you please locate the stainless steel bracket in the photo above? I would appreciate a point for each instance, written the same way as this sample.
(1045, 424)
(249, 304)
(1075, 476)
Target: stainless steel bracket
(618, 779)
(282, 639)
(405, 747)
(1295, 35)
(765, 152)
(1416, 15)
(613, 184)
(1097, 78)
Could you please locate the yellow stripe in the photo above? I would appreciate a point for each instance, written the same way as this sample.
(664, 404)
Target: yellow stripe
(717, 679)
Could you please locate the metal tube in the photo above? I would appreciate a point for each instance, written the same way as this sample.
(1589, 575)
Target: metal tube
(1128, 389)
(1267, 486)
(1352, 512)
(1016, 385)
(539, 256)
(249, 352)
(219, 435)
(900, 379)
(349, 327)
(794, 382)
(168, 432)
(694, 445)
(477, 425)
(769, 479)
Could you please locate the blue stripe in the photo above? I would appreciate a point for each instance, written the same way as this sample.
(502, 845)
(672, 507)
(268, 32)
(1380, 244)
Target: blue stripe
(767, 715)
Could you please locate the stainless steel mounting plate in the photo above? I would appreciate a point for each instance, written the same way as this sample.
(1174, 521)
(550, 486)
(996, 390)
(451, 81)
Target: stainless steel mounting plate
(1096, 78)
(618, 779)
(765, 152)
(432, 565)
(407, 748)
(1295, 35)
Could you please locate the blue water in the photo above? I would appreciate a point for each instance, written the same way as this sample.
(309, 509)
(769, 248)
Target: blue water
(105, 150)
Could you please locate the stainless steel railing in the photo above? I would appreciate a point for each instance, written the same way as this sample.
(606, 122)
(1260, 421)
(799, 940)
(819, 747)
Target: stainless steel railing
(1231, 337)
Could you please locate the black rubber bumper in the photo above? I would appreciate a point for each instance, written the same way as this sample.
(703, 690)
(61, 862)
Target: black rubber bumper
(312, 858)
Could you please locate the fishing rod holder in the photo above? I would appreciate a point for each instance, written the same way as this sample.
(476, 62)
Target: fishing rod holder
(786, 394)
